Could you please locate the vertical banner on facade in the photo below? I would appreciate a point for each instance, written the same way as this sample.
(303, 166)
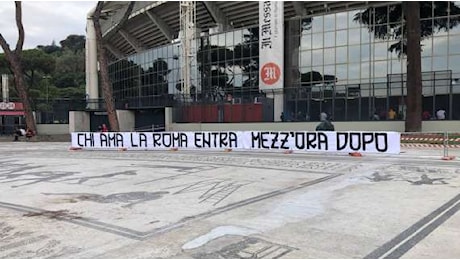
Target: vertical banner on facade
(271, 44)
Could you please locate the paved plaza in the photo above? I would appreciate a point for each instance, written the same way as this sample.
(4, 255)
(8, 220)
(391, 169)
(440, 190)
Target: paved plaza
(57, 203)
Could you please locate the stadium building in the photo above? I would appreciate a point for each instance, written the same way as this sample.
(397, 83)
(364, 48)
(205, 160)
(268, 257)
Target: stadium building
(180, 65)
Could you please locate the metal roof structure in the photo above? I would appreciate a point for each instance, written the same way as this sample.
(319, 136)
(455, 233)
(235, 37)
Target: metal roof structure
(156, 23)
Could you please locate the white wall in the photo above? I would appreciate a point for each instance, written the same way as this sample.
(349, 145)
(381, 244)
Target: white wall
(126, 120)
(52, 129)
(79, 121)
(441, 126)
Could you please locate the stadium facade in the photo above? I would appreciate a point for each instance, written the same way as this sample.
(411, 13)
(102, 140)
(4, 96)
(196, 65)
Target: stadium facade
(342, 58)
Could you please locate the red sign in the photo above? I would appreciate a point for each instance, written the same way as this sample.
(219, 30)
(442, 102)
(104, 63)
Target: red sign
(270, 73)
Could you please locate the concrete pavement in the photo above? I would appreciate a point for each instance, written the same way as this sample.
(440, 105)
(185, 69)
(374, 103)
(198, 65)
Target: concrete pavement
(183, 204)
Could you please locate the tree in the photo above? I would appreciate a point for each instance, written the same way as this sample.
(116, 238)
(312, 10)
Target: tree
(14, 59)
(36, 61)
(49, 49)
(74, 43)
(414, 69)
(103, 63)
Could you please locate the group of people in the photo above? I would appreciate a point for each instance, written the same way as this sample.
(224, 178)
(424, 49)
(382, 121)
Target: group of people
(392, 115)
(102, 128)
(27, 133)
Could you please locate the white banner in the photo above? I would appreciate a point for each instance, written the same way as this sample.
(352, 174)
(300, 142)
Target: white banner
(364, 142)
(271, 44)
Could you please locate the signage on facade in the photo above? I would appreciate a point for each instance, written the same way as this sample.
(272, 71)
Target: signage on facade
(7, 106)
(303, 141)
(271, 44)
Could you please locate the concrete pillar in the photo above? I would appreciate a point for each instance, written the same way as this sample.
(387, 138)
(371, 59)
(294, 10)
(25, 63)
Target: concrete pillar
(278, 104)
(126, 119)
(168, 119)
(79, 121)
(92, 86)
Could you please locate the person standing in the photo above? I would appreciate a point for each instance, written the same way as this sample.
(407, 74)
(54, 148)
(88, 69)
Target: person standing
(323, 117)
(392, 114)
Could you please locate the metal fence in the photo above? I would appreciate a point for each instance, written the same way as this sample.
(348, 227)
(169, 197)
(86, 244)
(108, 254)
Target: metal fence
(447, 143)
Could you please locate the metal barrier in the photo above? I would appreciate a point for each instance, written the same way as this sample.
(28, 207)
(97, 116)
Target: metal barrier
(151, 128)
(447, 141)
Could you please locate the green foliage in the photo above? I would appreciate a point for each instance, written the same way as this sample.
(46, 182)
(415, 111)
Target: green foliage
(51, 71)
(74, 43)
(37, 60)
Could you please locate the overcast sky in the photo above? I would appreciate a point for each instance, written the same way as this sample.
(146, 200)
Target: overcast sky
(44, 21)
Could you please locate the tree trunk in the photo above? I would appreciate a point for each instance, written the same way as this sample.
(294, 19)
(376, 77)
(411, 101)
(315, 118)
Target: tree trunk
(414, 71)
(103, 63)
(104, 72)
(14, 59)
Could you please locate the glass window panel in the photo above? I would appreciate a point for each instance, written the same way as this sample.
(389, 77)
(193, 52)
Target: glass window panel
(396, 66)
(305, 42)
(221, 38)
(329, 70)
(365, 35)
(341, 72)
(329, 39)
(317, 40)
(354, 53)
(351, 17)
(365, 52)
(329, 22)
(454, 44)
(443, 23)
(440, 63)
(454, 64)
(229, 39)
(341, 20)
(354, 36)
(380, 69)
(380, 51)
(427, 47)
(329, 56)
(237, 37)
(455, 30)
(440, 46)
(365, 70)
(317, 69)
(305, 58)
(317, 57)
(342, 38)
(353, 71)
(213, 39)
(317, 24)
(426, 64)
(341, 55)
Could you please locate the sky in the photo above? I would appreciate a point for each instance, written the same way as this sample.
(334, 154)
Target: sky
(44, 21)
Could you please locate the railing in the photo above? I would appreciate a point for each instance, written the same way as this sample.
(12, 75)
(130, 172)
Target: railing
(150, 128)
